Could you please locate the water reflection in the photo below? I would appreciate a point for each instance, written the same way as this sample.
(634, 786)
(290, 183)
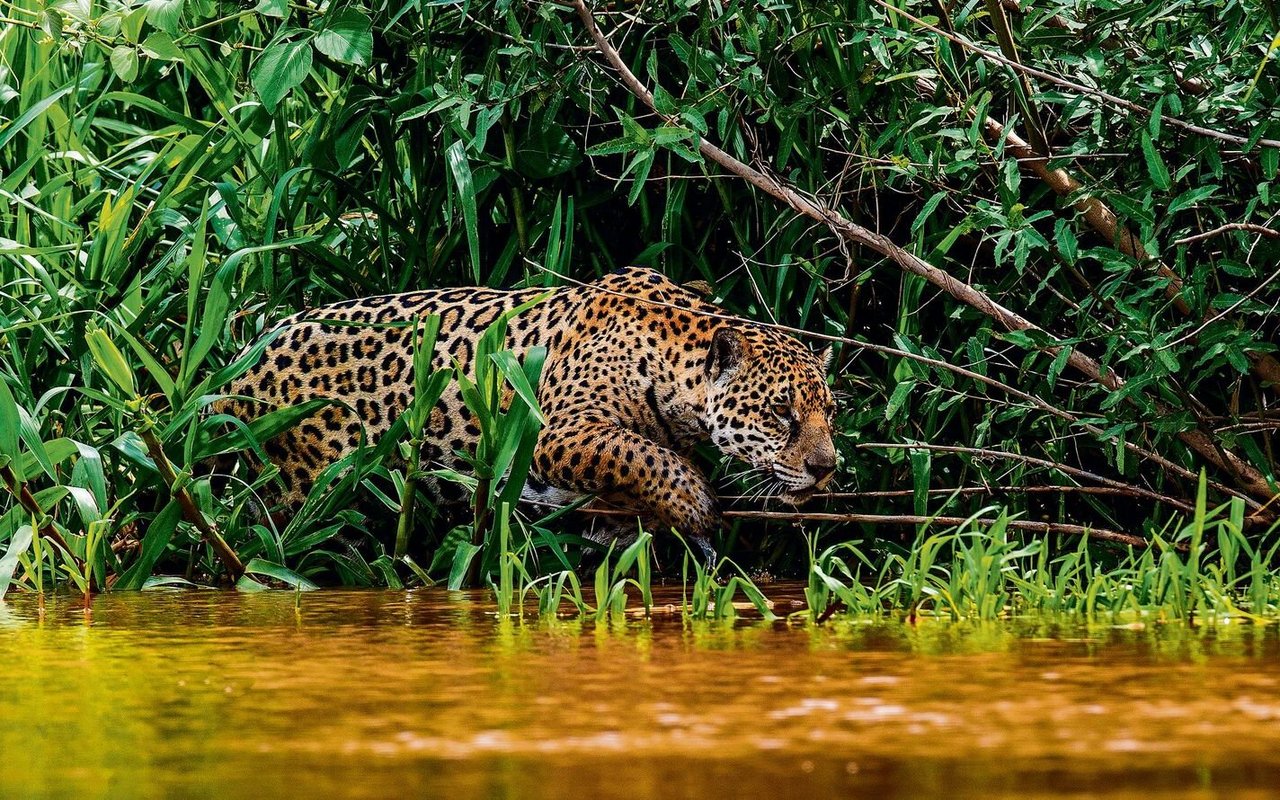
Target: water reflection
(380, 693)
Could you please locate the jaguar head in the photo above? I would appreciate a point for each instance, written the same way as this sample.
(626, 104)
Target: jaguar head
(769, 405)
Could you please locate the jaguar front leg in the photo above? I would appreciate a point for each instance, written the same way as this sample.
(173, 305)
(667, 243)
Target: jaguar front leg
(593, 455)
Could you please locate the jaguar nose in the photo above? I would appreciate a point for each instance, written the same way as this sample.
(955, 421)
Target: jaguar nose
(820, 470)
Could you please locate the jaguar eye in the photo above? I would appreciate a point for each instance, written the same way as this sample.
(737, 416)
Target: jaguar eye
(782, 410)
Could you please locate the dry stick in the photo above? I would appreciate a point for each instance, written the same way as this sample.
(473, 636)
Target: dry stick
(1101, 534)
(1111, 491)
(1058, 80)
(1251, 227)
(1200, 442)
(1075, 472)
(1103, 220)
(210, 534)
(897, 519)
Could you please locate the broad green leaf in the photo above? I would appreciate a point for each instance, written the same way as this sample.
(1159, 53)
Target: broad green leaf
(270, 569)
(161, 45)
(462, 558)
(9, 425)
(280, 68)
(1190, 198)
(512, 371)
(159, 533)
(132, 24)
(465, 191)
(165, 14)
(37, 109)
(899, 397)
(19, 543)
(347, 38)
(1155, 164)
(273, 8)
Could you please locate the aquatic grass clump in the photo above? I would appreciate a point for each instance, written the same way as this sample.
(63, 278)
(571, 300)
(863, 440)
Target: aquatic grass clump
(552, 591)
(1206, 570)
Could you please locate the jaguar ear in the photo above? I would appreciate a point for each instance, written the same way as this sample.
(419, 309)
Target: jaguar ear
(725, 354)
(825, 358)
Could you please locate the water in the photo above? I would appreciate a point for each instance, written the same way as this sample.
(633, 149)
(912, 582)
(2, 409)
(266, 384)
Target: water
(379, 694)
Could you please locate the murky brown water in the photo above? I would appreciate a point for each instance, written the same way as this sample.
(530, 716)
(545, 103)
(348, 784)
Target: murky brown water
(384, 694)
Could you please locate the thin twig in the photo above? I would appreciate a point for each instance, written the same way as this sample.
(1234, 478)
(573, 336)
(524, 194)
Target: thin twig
(1075, 472)
(1251, 227)
(1111, 491)
(796, 517)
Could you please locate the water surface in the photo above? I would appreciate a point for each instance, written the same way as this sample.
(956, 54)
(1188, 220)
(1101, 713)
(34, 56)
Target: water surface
(426, 693)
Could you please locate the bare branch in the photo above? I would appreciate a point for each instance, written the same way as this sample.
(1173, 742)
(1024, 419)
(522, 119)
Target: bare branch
(1075, 472)
(798, 517)
(190, 510)
(1251, 227)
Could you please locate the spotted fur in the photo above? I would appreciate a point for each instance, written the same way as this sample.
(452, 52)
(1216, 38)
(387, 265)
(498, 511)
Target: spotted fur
(636, 375)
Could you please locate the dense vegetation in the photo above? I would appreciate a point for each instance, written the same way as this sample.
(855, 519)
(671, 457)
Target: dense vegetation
(176, 175)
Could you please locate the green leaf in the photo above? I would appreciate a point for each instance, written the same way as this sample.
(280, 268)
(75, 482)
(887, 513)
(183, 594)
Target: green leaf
(165, 14)
(460, 169)
(280, 68)
(18, 545)
(159, 533)
(612, 147)
(898, 399)
(1155, 165)
(132, 24)
(50, 22)
(273, 8)
(461, 563)
(44, 455)
(161, 46)
(9, 422)
(1058, 365)
(124, 62)
(1190, 198)
(929, 207)
(1065, 238)
(270, 569)
(514, 373)
(347, 38)
(261, 429)
(642, 164)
